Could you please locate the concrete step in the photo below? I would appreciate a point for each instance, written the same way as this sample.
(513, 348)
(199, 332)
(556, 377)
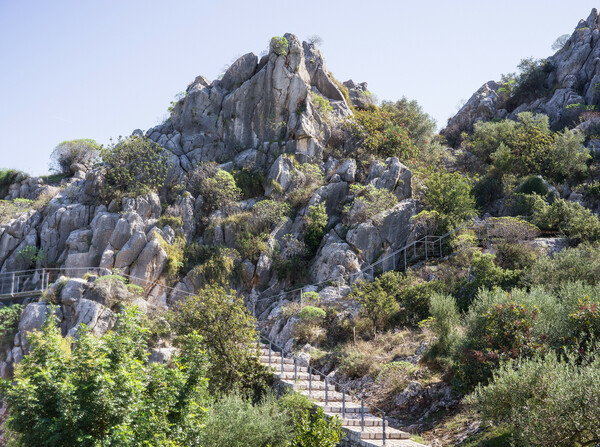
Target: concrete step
(275, 360)
(287, 368)
(289, 376)
(319, 396)
(317, 385)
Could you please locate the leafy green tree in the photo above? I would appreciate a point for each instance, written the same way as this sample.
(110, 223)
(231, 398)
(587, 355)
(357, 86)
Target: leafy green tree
(229, 337)
(133, 166)
(101, 392)
(377, 304)
(449, 194)
(420, 125)
(82, 152)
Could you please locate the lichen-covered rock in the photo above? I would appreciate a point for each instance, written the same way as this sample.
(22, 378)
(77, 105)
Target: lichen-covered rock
(98, 318)
(334, 260)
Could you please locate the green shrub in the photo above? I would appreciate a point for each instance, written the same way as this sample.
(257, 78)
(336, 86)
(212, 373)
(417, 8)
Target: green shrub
(377, 304)
(83, 152)
(216, 186)
(316, 224)
(175, 222)
(7, 178)
(487, 190)
(533, 184)
(279, 45)
(569, 156)
(175, 254)
(449, 194)
(410, 114)
(252, 184)
(218, 268)
(571, 218)
(31, 255)
(306, 180)
(322, 104)
(580, 263)
(133, 166)
(312, 313)
(546, 400)
(9, 321)
(502, 332)
(234, 421)
(381, 133)
(368, 202)
(445, 319)
(316, 429)
(529, 84)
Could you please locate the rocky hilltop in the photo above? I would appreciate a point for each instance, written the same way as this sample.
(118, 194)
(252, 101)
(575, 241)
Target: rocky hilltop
(562, 87)
(269, 118)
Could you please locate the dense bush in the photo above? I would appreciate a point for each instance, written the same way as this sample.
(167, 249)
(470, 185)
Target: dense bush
(528, 146)
(9, 321)
(529, 84)
(502, 331)
(7, 178)
(445, 320)
(449, 194)
(580, 263)
(420, 125)
(368, 202)
(235, 421)
(229, 337)
(279, 45)
(571, 218)
(316, 222)
(547, 400)
(133, 166)
(306, 178)
(100, 391)
(67, 153)
(378, 132)
(216, 186)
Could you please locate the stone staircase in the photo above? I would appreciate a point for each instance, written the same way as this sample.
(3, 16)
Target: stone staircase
(362, 428)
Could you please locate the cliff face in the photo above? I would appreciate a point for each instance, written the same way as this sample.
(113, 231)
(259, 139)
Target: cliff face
(571, 77)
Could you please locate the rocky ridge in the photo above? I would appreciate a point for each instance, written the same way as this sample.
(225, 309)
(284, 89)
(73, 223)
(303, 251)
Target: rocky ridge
(572, 78)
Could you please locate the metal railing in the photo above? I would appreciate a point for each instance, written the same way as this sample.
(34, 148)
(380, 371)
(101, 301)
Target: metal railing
(425, 248)
(327, 381)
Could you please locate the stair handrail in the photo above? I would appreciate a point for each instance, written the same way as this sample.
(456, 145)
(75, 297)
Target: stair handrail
(468, 224)
(328, 381)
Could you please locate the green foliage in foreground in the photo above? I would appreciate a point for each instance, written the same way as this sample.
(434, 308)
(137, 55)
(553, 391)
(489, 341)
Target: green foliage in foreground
(101, 392)
(547, 400)
(229, 337)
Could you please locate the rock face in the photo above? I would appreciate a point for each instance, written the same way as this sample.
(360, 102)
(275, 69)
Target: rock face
(572, 78)
(264, 106)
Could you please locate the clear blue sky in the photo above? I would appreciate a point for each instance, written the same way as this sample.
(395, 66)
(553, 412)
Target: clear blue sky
(99, 69)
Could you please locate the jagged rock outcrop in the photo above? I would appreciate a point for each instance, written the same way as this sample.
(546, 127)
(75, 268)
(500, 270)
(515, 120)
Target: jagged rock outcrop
(572, 78)
(256, 112)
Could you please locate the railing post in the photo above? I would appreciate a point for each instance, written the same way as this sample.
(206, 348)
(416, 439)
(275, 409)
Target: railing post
(426, 258)
(405, 264)
(441, 248)
(415, 249)
(12, 287)
(309, 380)
(295, 369)
(270, 350)
(343, 403)
(326, 392)
(282, 362)
(383, 428)
(362, 415)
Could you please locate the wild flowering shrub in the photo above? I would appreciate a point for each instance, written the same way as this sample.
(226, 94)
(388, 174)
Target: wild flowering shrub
(502, 332)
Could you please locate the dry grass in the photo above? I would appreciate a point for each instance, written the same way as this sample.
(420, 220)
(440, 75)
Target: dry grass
(368, 357)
